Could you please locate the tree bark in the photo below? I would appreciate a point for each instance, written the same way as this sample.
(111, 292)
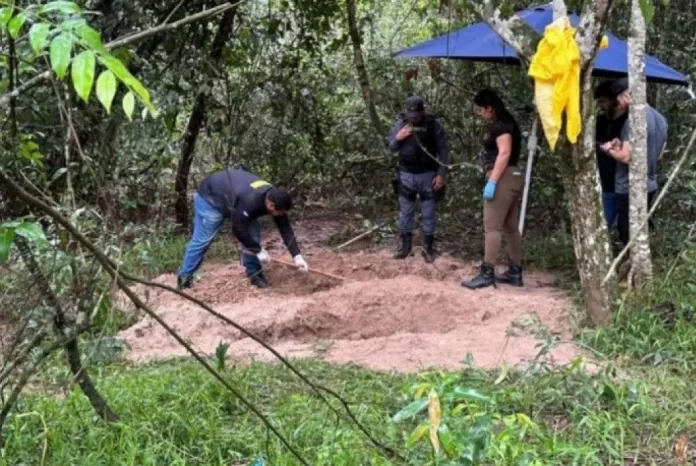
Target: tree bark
(363, 77)
(71, 348)
(641, 264)
(578, 162)
(193, 127)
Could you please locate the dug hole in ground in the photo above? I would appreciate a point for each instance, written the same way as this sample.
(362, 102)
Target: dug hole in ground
(387, 314)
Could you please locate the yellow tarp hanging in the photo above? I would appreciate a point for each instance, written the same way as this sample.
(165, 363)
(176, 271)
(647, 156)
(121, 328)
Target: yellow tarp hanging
(556, 71)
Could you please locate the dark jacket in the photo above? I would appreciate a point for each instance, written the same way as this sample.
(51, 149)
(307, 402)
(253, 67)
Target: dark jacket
(241, 196)
(431, 136)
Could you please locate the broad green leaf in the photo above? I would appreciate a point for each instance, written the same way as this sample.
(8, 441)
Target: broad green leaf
(648, 9)
(106, 89)
(6, 238)
(469, 394)
(38, 36)
(71, 25)
(82, 73)
(446, 441)
(61, 46)
(129, 105)
(417, 434)
(61, 6)
(122, 73)
(411, 410)
(5, 15)
(90, 38)
(31, 231)
(16, 23)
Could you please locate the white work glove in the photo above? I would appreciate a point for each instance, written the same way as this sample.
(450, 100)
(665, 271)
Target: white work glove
(263, 256)
(301, 263)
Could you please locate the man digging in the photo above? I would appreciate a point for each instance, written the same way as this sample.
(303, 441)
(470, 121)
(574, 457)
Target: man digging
(242, 197)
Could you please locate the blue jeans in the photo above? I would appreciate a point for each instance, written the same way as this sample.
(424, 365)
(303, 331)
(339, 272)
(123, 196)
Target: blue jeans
(249, 259)
(609, 204)
(207, 221)
(413, 186)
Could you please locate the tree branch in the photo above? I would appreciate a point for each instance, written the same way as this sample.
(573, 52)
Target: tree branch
(129, 39)
(515, 32)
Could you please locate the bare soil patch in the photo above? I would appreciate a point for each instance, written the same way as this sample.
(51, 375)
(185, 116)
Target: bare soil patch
(387, 314)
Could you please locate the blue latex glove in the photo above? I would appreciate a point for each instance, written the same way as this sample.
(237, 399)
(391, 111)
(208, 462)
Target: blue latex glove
(489, 190)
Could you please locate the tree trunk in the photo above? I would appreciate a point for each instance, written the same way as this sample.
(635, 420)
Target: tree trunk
(363, 77)
(641, 264)
(71, 348)
(195, 123)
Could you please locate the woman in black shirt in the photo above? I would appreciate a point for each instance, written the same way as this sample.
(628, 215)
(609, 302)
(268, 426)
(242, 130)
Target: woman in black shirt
(504, 184)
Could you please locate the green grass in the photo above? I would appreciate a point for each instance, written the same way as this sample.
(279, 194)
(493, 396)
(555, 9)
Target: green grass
(174, 413)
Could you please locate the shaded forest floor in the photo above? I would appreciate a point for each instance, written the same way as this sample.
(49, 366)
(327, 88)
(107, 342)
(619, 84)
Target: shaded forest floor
(385, 314)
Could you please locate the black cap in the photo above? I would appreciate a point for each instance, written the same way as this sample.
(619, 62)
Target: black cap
(415, 107)
(280, 198)
(619, 86)
(604, 90)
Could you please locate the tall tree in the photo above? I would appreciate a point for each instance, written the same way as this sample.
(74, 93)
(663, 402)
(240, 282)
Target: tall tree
(641, 264)
(195, 122)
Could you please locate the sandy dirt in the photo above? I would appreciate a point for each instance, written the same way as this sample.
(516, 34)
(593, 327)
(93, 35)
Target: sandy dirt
(386, 314)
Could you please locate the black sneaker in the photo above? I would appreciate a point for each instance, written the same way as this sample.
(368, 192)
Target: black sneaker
(405, 246)
(259, 281)
(184, 281)
(485, 278)
(513, 276)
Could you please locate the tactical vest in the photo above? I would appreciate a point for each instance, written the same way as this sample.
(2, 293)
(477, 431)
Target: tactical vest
(412, 157)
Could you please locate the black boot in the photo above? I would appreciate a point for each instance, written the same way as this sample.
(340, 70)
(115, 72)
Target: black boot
(428, 249)
(184, 281)
(259, 281)
(485, 278)
(405, 246)
(513, 276)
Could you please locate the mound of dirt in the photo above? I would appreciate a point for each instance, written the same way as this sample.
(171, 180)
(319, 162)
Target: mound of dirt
(386, 314)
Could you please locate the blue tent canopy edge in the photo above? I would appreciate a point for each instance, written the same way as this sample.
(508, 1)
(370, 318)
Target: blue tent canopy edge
(479, 42)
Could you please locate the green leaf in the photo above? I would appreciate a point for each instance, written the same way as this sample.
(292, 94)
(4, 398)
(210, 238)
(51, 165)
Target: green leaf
(106, 89)
(411, 410)
(61, 6)
(16, 24)
(5, 15)
(6, 238)
(129, 105)
(38, 36)
(90, 38)
(31, 231)
(470, 394)
(443, 433)
(417, 434)
(122, 73)
(648, 9)
(82, 73)
(61, 46)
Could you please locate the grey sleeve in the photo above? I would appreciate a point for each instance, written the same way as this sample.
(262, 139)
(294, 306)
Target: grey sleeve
(393, 143)
(442, 149)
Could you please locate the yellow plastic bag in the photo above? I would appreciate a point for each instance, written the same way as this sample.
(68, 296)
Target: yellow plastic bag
(556, 71)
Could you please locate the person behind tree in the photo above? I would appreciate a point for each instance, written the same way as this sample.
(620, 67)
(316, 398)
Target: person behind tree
(422, 147)
(502, 191)
(620, 149)
(608, 127)
(242, 197)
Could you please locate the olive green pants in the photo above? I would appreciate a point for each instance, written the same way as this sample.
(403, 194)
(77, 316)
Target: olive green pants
(501, 216)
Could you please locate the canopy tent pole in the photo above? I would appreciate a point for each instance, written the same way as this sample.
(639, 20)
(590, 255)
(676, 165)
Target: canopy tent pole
(531, 147)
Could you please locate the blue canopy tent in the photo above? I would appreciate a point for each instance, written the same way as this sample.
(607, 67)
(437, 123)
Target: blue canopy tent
(480, 43)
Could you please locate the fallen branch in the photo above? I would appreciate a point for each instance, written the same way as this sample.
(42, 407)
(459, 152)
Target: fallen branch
(671, 178)
(119, 276)
(360, 236)
(127, 40)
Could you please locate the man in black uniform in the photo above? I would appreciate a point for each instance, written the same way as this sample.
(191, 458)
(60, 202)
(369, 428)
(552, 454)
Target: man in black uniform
(243, 197)
(422, 147)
